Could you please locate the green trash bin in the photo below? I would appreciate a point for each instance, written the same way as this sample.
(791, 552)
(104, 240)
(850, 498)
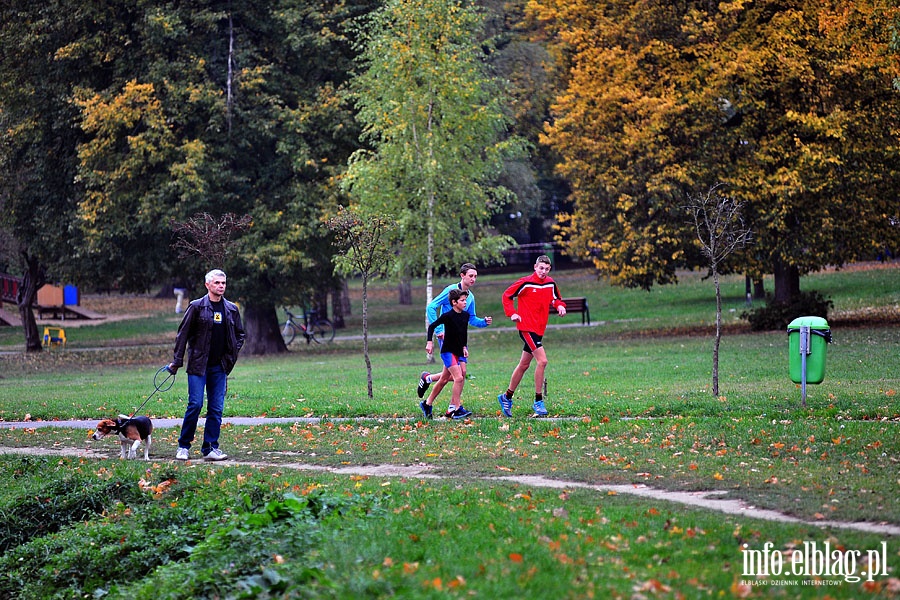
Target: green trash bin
(819, 338)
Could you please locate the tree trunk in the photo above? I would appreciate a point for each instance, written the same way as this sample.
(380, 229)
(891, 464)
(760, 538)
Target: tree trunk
(759, 289)
(365, 324)
(787, 282)
(262, 329)
(34, 279)
(320, 303)
(404, 290)
(346, 305)
(715, 366)
(338, 305)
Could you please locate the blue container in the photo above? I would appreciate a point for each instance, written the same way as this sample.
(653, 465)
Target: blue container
(70, 296)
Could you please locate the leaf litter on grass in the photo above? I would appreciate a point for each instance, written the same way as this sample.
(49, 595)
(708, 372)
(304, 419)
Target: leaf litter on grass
(704, 500)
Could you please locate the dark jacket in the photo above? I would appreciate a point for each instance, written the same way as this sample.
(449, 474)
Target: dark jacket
(196, 330)
(456, 331)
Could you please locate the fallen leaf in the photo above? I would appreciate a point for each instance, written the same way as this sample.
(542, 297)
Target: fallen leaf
(410, 568)
(741, 590)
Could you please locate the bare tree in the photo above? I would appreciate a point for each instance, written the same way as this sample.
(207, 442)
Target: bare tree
(205, 236)
(364, 249)
(720, 229)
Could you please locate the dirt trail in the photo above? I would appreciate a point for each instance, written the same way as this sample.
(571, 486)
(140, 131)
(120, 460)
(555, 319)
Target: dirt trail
(702, 500)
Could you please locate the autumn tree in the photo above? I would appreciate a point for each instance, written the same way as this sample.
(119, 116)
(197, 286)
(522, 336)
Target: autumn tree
(895, 50)
(436, 133)
(789, 104)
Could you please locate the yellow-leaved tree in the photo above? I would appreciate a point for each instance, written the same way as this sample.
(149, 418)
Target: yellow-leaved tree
(790, 104)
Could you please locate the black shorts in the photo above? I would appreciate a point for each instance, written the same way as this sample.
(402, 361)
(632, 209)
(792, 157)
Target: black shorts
(532, 341)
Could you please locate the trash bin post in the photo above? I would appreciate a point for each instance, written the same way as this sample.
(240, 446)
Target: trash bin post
(804, 352)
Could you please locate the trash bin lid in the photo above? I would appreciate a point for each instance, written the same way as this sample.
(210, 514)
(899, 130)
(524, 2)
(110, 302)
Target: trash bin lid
(811, 322)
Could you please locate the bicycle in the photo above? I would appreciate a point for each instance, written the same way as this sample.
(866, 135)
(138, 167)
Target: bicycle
(313, 328)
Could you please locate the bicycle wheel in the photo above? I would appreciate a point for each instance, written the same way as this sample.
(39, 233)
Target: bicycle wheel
(289, 332)
(322, 331)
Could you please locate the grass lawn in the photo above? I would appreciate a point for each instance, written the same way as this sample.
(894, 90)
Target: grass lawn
(631, 404)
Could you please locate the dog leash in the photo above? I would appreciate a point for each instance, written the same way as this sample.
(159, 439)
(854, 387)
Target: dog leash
(168, 381)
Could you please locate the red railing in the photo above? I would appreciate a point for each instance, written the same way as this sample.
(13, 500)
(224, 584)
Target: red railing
(9, 288)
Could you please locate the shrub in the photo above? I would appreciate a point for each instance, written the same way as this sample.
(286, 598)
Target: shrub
(777, 315)
(55, 503)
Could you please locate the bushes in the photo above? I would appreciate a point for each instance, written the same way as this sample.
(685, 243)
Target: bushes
(54, 503)
(120, 529)
(777, 315)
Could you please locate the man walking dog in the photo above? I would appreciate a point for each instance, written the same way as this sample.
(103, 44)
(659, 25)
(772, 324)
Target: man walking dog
(213, 334)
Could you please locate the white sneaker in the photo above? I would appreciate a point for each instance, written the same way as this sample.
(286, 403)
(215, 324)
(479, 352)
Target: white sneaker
(215, 454)
(182, 454)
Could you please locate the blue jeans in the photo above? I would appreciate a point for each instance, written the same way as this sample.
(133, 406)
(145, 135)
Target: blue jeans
(215, 384)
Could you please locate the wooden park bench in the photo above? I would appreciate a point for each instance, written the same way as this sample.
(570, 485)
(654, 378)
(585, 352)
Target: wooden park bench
(576, 305)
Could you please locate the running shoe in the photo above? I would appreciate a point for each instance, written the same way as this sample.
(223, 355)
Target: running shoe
(423, 385)
(461, 413)
(505, 405)
(426, 409)
(182, 454)
(539, 408)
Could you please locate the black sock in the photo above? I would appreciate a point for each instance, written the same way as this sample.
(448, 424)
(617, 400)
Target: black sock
(509, 394)
(538, 397)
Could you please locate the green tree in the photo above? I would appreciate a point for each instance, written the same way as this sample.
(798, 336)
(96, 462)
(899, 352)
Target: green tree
(432, 116)
(789, 104)
(220, 109)
(120, 117)
(522, 60)
(39, 187)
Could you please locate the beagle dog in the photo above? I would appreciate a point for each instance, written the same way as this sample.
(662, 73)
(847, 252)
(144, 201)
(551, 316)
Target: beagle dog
(132, 431)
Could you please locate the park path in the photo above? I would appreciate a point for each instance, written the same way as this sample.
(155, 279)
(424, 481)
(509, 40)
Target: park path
(709, 500)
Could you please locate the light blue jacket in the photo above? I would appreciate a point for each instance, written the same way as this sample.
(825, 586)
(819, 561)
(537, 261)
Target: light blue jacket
(441, 304)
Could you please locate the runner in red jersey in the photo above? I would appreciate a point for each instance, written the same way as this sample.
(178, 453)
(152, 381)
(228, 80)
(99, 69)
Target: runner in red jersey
(527, 303)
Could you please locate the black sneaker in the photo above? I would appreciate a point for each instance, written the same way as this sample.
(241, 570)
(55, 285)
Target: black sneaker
(426, 409)
(423, 385)
(461, 413)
